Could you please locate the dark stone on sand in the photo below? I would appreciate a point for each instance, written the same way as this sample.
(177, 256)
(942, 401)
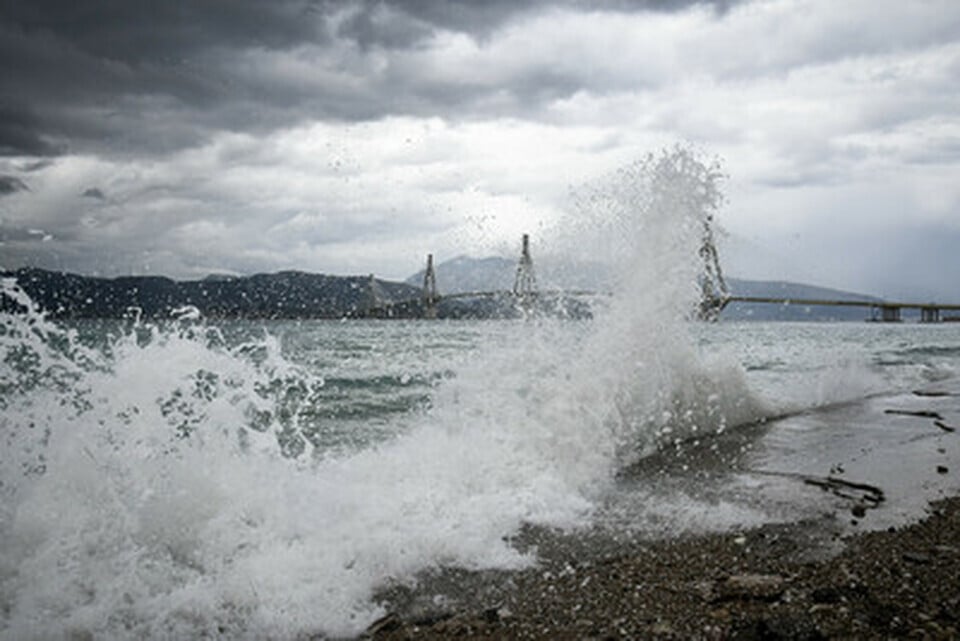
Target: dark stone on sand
(917, 557)
(798, 628)
(858, 511)
(491, 615)
(826, 595)
(942, 469)
(758, 587)
(426, 619)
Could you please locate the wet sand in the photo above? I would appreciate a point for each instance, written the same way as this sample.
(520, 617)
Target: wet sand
(871, 550)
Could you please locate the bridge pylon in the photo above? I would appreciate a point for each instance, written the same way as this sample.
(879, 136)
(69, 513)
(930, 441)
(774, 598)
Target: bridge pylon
(374, 295)
(714, 294)
(429, 294)
(525, 283)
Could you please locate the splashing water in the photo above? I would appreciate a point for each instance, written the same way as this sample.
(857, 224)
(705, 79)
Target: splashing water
(647, 220)
(165, 483)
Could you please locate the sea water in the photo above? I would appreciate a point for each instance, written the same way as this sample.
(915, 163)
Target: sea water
(193, 478)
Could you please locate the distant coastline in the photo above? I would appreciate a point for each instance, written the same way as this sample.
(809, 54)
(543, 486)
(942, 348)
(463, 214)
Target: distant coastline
(303, 295)
(282, 295)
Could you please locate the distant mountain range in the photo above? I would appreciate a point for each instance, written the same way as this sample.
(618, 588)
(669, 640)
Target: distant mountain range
(294, 294)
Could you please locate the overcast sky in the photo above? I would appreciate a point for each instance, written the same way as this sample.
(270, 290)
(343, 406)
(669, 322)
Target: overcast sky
(187, 137)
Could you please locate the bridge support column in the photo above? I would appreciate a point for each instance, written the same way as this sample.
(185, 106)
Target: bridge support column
(929, 315)
(890, 314)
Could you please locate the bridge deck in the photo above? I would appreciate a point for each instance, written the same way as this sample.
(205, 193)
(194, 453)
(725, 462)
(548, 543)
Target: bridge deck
(890, 309)
(507, 292)
(840, 303)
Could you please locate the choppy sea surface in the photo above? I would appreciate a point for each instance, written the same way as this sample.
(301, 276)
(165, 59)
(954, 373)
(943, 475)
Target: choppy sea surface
(264, 478)
(191, 478)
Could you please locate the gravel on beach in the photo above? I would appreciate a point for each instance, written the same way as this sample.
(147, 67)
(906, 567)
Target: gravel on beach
(773, 582)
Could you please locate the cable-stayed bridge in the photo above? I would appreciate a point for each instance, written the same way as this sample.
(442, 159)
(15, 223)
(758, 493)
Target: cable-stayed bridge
(526, 298)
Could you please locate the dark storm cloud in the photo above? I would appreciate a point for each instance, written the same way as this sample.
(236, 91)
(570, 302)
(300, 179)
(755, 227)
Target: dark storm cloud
(11, 184)
(186, 136)
(382, 25)
(481, 18)
(106, 71)
(137, 75)
(140, 31)
(21, 131)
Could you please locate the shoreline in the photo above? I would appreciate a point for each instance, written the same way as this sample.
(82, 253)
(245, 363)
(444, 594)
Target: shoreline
(777, 581)
(872, 549)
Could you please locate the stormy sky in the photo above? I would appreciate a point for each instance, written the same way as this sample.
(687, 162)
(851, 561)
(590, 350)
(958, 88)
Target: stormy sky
(189, 137)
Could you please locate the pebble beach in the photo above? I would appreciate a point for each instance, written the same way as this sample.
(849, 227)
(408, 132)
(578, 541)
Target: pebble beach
(773, 582)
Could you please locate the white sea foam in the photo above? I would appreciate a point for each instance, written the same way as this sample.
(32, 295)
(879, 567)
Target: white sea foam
(132, 531)
(150, 488)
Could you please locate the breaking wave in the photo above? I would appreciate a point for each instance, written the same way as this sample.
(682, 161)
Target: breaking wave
(176, 480)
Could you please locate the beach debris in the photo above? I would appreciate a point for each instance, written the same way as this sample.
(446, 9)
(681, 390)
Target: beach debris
(868, 495)
(918, 413)
(938, 419)
(931, 393)
(943, 426)
(386, 623)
